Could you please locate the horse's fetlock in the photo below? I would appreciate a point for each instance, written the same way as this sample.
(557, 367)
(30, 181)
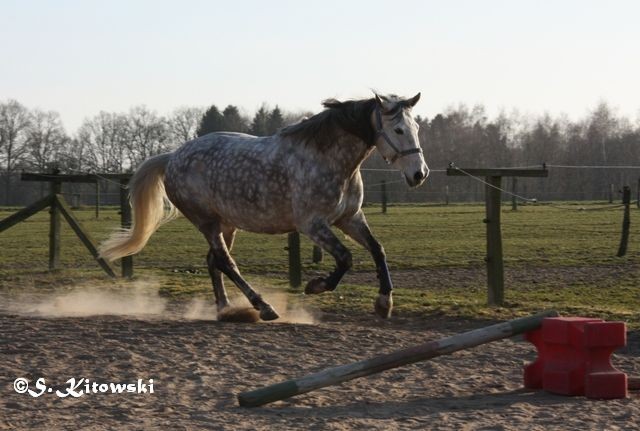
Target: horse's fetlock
(346, 260)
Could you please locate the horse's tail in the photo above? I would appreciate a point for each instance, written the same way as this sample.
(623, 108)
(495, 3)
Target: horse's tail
(151, 208)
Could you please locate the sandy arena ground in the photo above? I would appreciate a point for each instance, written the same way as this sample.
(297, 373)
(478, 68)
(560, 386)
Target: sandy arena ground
(199, 366)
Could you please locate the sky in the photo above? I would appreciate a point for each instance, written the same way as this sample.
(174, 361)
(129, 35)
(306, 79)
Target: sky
(81, 57)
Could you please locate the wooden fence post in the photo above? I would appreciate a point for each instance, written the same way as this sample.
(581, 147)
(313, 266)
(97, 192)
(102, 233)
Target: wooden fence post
(317, 254)
(514, 190)
(610, 193)
(125, 222)
(295, 265)
(384, 196)
(54, 227)
(97, 199)
(638, 195)
(626, 221)
(495, 269)
(446, 194)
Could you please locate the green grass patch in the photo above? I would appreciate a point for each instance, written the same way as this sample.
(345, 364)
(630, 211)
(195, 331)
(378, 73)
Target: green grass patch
(542, 238)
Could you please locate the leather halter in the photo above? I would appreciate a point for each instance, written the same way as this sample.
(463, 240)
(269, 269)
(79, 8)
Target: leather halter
(398, 153)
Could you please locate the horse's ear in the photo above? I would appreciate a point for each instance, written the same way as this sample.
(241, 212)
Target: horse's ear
(414, 100)
(379, 100)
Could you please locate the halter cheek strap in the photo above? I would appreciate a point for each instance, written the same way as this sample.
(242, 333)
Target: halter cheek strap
(397, 152)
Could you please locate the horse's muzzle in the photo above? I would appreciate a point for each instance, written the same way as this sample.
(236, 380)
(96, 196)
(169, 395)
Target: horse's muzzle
(417, 179)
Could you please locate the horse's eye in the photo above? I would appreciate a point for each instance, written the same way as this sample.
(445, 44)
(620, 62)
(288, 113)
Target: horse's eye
(398, 130)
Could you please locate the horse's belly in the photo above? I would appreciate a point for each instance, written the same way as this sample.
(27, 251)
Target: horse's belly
(262, 223)
(258, 217)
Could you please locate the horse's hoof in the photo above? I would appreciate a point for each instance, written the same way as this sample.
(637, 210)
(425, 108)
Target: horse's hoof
(268, 313)
(315, 286)
(383, 306)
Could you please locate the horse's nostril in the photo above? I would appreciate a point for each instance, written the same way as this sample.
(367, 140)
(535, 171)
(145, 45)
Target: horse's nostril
(417, 176)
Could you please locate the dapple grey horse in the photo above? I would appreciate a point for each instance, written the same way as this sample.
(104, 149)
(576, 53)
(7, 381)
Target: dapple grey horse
(306, 177)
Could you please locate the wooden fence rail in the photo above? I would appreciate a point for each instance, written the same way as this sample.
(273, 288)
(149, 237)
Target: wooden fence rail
(58, 207)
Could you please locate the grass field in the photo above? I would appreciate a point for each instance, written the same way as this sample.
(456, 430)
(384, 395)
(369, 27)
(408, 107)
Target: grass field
(554, 257)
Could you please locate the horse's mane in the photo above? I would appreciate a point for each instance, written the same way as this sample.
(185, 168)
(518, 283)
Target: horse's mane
(352, 117)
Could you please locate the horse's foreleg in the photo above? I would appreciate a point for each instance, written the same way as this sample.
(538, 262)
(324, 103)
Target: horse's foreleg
(320, 233)
(358, 229)
(223, 261)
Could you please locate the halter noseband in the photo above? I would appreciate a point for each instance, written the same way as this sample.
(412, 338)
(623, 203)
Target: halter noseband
(398, 153)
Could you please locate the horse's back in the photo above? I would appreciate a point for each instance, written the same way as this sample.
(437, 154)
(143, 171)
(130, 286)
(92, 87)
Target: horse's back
(238, 178)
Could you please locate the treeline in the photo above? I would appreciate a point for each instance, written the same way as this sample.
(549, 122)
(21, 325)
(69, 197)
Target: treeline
(469, 138)
(111, 142)
(35, 140)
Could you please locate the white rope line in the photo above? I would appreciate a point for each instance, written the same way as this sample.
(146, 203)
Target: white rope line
(101, 177)
(384, 183)
(583, 208)
(593, 167)
(532, 200)
(111, 181)
(528, 167)
(394, 170)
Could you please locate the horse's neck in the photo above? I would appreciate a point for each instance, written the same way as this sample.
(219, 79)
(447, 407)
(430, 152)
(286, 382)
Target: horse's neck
(347, 154)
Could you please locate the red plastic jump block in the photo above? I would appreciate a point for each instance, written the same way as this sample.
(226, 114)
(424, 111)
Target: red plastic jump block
(574, 357)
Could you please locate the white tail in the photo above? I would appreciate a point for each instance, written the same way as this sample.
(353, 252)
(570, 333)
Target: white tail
(147, 197)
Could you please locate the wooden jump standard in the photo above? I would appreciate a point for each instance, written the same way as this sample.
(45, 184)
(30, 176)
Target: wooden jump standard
(445, 346)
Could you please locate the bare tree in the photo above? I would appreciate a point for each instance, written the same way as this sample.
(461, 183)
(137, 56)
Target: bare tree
(104, 140)
(603, 126)
(14, 120)
(75, 156)
(183, 124)
(46, 139)
(147, 134)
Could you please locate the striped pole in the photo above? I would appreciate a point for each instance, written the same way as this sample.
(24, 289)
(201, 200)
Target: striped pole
(444, 346)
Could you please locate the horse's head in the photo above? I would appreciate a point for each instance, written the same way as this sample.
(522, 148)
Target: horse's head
(397, 137)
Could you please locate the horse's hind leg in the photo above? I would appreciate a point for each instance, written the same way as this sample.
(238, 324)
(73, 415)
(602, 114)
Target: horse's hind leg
(223, 261)
(320, 233)
(216, 276)
(358, 229)
(219, 291)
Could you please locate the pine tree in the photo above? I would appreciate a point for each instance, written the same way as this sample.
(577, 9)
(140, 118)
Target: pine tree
(275, 121)
(233, 121)
(212, 121)
(259, 125)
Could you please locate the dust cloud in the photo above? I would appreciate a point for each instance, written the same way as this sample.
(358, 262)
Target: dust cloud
(289, 309)
(141, 299)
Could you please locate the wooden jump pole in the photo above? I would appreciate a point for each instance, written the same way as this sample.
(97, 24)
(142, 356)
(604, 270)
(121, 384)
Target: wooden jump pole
(432, 349)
